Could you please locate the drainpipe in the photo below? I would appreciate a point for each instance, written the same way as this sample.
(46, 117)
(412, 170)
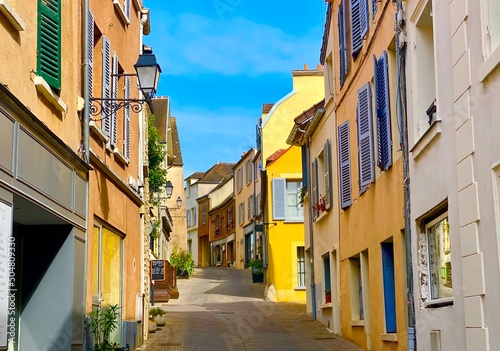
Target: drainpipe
(403, 122)
(311, 237)
(86, 132)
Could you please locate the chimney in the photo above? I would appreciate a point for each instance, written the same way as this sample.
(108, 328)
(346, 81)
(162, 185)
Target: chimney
(306, 67)
(319, 66)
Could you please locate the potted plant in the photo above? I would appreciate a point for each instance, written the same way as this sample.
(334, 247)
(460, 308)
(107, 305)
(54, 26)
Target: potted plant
(102, 322)
(151, 322)
(257, 266)
(328, 296)
(160, 316)
(183, 262)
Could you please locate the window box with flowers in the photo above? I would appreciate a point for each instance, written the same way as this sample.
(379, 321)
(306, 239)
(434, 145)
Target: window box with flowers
(321, 205)
(328, 296)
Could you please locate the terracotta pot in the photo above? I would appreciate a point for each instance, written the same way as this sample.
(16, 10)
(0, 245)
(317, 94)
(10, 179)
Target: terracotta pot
(161, 320)
(152, 326)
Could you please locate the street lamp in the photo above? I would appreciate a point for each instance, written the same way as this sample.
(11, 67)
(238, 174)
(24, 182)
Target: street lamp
(147, 73)
(169, 189)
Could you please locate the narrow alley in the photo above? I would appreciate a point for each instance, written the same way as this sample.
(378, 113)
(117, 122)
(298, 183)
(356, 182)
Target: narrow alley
(221, 309)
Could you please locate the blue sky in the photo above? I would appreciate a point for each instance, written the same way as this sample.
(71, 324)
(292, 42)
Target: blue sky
(221, 60)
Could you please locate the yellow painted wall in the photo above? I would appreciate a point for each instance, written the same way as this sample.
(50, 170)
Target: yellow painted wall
(308, 89)
(283, 238)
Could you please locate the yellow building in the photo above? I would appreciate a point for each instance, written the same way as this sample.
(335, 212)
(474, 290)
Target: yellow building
(361, 75)
(284, 250)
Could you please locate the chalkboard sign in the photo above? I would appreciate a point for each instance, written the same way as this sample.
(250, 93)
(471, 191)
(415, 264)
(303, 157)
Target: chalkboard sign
(157, 270)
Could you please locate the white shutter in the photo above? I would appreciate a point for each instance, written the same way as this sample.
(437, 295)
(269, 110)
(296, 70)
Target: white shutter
(126, 9)
(114, 115)
(279, 198)
(106, 85)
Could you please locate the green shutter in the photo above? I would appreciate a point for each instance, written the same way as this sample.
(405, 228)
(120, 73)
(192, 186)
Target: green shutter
(49, 42)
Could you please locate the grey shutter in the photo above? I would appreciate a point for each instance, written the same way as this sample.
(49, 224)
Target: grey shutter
(345, 165)
(327, 154)
(279, 198)
(114, 95)
(90, 55)
(126, 132)
(365, 137)
(383, 112)
(343, 63)
(359, 24)
(106, 85)
(126, 9)
(314, 187)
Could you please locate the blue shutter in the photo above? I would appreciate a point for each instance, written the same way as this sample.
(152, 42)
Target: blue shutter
(359, 24)
(90, 53)
(126, 127)
(389, 287)
(374, 7)
(114, 95)
(343, 63)
(384, 140)
(279, 198)
(365, 142)
(327, 154)
(345, 165)
(106, 85)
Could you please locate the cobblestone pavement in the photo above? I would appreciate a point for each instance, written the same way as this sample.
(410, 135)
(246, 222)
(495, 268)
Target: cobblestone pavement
(221, 309)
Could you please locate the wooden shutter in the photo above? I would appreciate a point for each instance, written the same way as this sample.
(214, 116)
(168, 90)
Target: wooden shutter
(345, 165)
(359, 24)
(343, 63)
(365, 136)
(279, 198)
(374, 7)
(126, 9)
(314, 187)
(389, 287)
(126, 132)
(49, 42)
(114, 95)
(90, 55)
(383, 114)
(106, 85)
(327, 154)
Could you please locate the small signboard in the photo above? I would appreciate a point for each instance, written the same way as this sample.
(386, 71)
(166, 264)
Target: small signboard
(259, 228)
(157, 270)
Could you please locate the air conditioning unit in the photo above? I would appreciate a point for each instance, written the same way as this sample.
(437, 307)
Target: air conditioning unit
(132, 182)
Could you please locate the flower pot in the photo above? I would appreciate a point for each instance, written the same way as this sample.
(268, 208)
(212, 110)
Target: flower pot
(161, 320)
(328, 298)
(257, 277)
(151, 326)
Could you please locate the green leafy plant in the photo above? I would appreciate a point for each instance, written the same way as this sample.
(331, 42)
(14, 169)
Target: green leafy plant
(155, 233)
(155, 311)
(156, 157)
(102, 322)
(257, 265)
(182, 261)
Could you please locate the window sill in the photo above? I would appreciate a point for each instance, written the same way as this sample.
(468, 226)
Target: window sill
(119, 8)
(358, 323)
(326, 305)
(121, 157)
(300, 288)
(391, 337)
(425, 141)
(292, 221)
(489, 65)
(11, 14)
(98, 131)
(137, 4)
(439, 303)
(43, 87)
(320, 217)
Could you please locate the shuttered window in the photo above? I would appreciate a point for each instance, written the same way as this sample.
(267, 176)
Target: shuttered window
(126, 125)
(114, 95)
(359, 25)
(90, 55)
(345, 165)
(327, 173)
(383, 112)
(106, 85)
(389, 287)
(314, 187)
(126, 9)
(279, 198)
(374, 7)
(343, 62)
(49, 42)
(365, 138)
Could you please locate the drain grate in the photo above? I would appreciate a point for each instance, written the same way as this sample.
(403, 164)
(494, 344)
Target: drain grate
(169, 344)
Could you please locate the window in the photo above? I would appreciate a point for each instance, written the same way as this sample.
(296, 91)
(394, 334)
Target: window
(492, 25)
(49, 42)
(241, 179)
(203, 213)
(389, 287)
(345, 165)
(193, 216)
(356, 285)
(301, 267)
(286, 199)
(359, 25)
(439, 249)
(218, 225)
(365, 136)
(382, 111)
(236, 183)
(243, 212)
(322, 180)
(326, 278)
(343, 62)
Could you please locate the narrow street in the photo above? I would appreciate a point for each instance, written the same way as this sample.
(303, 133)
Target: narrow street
(221, 309)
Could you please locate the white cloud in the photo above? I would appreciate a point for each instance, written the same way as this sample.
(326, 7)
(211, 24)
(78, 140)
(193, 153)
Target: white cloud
(191, 43)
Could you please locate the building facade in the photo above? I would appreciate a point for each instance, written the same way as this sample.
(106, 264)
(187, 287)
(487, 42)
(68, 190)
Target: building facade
(43, 176)
(190, 194)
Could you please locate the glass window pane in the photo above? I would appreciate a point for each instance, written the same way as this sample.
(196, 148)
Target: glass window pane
(111, 268)
(441, 285)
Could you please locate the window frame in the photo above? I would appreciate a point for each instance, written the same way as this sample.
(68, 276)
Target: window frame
(45, 11)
